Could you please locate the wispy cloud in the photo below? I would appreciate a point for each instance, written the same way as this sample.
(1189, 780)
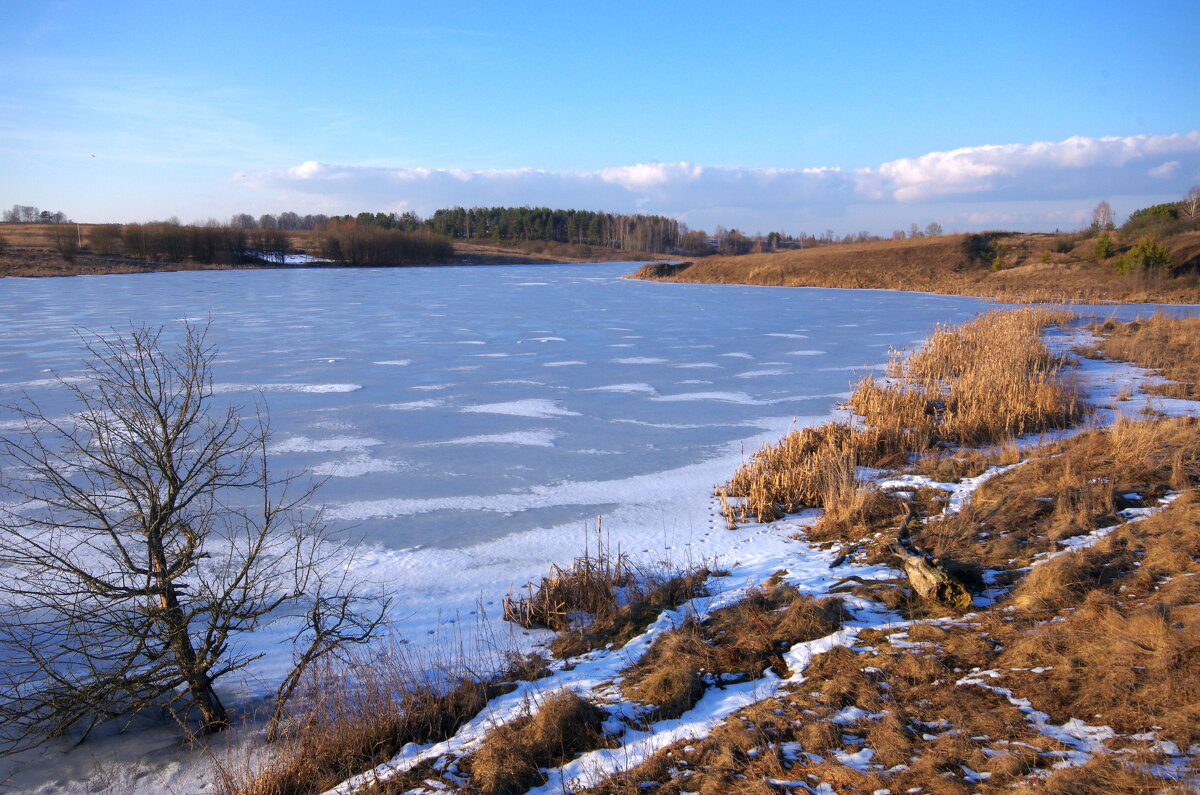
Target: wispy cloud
(1077, 168)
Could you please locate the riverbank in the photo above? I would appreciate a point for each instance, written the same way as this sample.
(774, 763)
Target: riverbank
(31, 251)
(1005, 266)
(826, 665)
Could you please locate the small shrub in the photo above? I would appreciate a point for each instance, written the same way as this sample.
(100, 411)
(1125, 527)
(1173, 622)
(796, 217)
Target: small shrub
(601, 599)
(66, 241)
(1146, 255)
(1104, 246)
(1062, 245)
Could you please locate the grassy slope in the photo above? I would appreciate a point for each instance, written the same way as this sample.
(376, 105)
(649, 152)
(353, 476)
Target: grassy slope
(938, 265)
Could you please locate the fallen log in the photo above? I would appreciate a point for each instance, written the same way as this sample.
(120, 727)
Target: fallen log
(930, 581)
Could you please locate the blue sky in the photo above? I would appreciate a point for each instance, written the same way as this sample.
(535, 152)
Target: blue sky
(793, 116)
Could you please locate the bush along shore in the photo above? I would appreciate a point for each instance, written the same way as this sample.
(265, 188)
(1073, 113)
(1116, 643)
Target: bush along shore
(998, 593)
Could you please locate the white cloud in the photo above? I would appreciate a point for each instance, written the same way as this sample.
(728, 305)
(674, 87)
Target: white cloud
(1076, 169)
(1166, 170)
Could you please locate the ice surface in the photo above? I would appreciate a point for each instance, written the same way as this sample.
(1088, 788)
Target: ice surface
(466, 482)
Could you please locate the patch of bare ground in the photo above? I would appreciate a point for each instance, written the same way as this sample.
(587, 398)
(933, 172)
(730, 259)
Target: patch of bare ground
(1008, 266)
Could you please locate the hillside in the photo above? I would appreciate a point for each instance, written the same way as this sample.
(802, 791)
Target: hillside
(1001, 265)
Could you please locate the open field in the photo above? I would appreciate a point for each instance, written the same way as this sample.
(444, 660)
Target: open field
(1015, 267)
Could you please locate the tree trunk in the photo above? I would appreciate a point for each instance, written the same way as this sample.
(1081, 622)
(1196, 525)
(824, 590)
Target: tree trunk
(931, 582)
(212, 712)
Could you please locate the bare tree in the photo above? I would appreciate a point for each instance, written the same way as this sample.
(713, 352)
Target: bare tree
(1102, 217)
(1190, 205)
(141, 535)
(933, 229)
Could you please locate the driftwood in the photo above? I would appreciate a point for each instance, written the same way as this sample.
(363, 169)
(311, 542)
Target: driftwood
(931, 582)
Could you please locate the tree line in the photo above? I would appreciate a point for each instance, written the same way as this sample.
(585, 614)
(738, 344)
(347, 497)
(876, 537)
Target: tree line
(28, 214)
(339, 241)
(245, 235)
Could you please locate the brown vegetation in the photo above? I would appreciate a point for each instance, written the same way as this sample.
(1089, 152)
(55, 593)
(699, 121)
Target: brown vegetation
(601, 599)
(1106, 632)
(358, 715)
(36, 249)
(983, 383)
(740, 641)
(1170, 346)
(509, 760)
(1003, 265)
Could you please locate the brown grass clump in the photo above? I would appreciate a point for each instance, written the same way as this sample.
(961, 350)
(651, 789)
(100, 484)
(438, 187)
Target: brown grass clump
(1112, 774)
(1168, 345)
(985, 382)
(743, 639)
(1129, 654)
(602, 599)
(811, 467)
(356, 716)
(509, 760)
(1066, 490)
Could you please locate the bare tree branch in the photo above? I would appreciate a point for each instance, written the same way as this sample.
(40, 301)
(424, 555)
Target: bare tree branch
(139, 536)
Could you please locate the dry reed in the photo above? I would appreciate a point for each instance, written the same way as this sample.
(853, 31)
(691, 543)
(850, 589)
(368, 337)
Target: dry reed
(984, 383)
(602, 599)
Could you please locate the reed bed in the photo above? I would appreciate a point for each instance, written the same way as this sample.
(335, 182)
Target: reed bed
(983, 383)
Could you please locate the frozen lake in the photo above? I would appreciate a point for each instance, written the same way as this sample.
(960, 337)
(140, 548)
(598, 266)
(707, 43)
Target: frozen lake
(470, 420)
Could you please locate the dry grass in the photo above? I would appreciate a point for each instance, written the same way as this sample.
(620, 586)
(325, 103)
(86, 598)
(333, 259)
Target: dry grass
(743, 639)
(810, 467)
(1170, 346)
(354, 716)
(983, 383)
(942, 265)
(602, 599)
(1108, 634)
(1067, 490)
(508, 761)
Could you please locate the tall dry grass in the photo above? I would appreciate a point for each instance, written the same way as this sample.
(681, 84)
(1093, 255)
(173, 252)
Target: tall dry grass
(352, 715)
(1163, 343)
(983, 383)
(602, 598)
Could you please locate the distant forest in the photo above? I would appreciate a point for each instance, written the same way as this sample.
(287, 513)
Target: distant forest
(649, 233)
